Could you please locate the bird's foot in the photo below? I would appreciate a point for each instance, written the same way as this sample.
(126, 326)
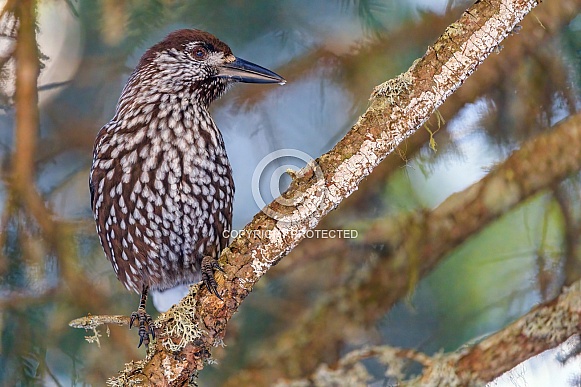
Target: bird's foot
(209, 266)
(146, 327)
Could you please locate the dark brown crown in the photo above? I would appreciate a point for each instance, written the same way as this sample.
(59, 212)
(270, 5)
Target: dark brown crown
(180, 39)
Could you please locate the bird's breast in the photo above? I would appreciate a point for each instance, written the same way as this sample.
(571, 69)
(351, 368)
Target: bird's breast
(173, 185)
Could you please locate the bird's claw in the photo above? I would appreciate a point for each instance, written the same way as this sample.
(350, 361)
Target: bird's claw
(144, 320)
(218, 267)
(209, 266)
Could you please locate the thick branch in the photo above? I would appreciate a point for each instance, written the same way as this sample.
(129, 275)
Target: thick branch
(552, 16)
(323, 327)
(416, 242)
(397, 109)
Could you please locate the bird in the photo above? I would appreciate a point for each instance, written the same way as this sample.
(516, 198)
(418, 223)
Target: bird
(160, 182)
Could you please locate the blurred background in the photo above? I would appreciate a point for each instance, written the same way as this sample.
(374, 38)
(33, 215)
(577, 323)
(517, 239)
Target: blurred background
(332, 53)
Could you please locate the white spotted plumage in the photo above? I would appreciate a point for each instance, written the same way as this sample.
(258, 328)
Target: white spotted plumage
(161, 185)
(161, 179)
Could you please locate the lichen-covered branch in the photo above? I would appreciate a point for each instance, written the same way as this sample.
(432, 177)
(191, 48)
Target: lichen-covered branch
(322, 343)
(552, 15)
(92, 322)
(416, 242)
(545, 327)
(397, 109)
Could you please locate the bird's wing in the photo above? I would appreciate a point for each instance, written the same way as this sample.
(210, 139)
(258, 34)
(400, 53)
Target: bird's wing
(122, 222)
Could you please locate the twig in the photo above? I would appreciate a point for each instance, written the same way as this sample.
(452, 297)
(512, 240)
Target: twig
(92, 322)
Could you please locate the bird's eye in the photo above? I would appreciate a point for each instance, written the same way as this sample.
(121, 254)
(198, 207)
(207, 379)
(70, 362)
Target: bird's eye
(200, 53)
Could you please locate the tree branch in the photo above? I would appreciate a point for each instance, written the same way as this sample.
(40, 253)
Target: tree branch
(476, 364)
(416, 242)
(552, 15)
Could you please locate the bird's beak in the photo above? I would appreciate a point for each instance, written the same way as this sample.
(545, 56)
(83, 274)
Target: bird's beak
(243, 71)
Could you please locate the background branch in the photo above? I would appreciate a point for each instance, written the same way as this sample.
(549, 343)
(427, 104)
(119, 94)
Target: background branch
(475, 364)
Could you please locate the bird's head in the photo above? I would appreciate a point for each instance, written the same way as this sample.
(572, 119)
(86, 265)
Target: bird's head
(200, 63)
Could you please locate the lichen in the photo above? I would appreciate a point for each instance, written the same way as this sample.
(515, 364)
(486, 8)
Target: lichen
(393, 89)
(443, 373)
(555, 324)
(181, 323)
(95, 337)
(357, 375)
(123, 380)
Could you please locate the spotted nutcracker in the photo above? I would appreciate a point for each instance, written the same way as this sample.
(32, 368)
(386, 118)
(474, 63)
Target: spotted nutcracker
(161, 184)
